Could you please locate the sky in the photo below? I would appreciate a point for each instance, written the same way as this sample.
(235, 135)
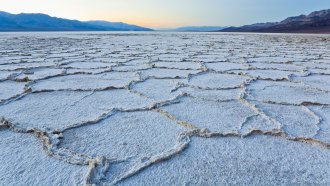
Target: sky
(169, 13)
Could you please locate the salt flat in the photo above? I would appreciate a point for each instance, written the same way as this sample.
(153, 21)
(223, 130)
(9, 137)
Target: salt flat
(164, 109)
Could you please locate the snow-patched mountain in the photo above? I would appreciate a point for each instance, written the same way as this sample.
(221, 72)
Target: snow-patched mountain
(316, 22)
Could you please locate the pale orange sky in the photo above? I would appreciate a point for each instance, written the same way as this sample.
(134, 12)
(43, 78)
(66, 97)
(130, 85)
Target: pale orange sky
(169, 13)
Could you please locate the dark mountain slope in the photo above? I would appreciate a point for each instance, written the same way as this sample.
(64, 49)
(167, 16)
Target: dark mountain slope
(316, 22)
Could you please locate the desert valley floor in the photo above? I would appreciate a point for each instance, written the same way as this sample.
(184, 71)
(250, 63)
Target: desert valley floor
(164, 109)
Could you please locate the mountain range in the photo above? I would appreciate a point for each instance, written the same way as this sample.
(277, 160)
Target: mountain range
(197, 29)
(316, 22)
(43, 22)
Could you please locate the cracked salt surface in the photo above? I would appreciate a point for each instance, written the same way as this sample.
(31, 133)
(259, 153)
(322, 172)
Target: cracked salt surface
(164, 109)
(261, 160)
(60, 109)
(24, 163)
(39, 73)
(225, 66)
(217, 81)
(219, 114)
(150, 133)
(91, 82)
(288, 93)
(157, 89)
(10, 89)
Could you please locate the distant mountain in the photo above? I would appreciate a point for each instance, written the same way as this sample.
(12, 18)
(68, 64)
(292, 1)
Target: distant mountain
(118, 25)
(197, 29)
(248, 28)
(43, 22)
(316, 22)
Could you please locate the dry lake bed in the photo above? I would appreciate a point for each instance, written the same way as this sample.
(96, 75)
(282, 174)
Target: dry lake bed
(164, 109)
